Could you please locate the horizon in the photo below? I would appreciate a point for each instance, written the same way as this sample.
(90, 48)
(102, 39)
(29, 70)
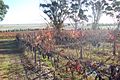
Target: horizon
(4, 27)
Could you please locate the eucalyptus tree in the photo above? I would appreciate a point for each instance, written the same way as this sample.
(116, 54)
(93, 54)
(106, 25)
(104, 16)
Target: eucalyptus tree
(97, 7)
(3, 9)
(113, 9)
(57, 11)
(77, 10)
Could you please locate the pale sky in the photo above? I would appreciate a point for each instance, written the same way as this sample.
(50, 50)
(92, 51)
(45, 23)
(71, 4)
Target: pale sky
(23, 11)
(28, 12)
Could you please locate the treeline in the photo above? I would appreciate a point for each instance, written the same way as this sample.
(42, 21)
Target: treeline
(18, 30)
(115, 24)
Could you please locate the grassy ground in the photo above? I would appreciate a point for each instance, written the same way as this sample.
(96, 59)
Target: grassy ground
(89, 56)
(11, 68)
(92, 56)
(10, 65)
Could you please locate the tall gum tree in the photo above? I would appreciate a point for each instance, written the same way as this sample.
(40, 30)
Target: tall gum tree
(97, 7)
(113, 9)
(57, 11)
(78, 9)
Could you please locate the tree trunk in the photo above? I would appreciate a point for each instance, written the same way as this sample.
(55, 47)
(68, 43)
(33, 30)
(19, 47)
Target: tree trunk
(81, 52)
(35, 57)
(114, 48)
(34, 51)
(94, 25)
(57, 33)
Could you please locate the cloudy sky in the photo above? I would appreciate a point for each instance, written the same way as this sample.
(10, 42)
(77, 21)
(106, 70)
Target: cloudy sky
(28, 11)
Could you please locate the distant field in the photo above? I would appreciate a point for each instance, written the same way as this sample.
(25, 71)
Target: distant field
(11, 35)
(4, 35)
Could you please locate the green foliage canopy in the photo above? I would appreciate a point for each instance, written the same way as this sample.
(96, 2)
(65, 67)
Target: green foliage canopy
(113, 9)
(3, 9)
(59, 10)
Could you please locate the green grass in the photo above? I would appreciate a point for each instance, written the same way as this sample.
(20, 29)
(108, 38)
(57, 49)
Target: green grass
(10, 66)
(87, 56)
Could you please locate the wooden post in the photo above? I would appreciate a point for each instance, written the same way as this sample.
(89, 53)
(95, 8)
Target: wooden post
(40, 68)
(81, 52)
(114, 48)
